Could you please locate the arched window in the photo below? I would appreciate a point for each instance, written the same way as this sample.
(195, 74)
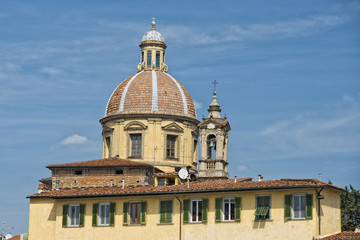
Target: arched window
(211, 147)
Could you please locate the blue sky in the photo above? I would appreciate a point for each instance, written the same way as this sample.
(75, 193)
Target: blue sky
(288, 73)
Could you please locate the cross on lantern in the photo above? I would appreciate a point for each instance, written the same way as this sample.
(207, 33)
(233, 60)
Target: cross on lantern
(215, 82)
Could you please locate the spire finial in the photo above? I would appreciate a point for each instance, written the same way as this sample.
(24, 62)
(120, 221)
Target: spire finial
(153, 23)
(215, 83)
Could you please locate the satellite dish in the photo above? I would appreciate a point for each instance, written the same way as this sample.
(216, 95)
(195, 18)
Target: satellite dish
(183, 173)
(7, 236)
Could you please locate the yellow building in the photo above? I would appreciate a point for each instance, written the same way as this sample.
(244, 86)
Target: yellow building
(151, 185)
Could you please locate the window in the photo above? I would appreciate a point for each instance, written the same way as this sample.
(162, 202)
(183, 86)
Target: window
(142, 57)
(170, 146)
(135, 145)
(298, 206)
(78, 172)
(104, 214)
(119, 172)
(196, 211)
(166, 209)
(148, 59)
(262, 211)
(228, 209)
(134, 213)
(161, 181)
(108, 146)
(74, 215)
(157, 59)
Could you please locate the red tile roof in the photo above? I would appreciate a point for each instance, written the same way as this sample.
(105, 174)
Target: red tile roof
(227, 185)
(107, 162)
(137, 95)
(17, 237)
(343, 236)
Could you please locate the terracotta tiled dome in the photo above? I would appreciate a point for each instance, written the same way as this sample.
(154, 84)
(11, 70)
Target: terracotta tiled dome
(151, 92)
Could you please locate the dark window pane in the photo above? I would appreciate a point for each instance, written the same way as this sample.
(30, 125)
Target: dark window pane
(157, 59)
(193, 214)
(149, 59)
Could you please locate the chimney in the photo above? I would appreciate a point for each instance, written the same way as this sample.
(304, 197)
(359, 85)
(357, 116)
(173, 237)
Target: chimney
(235, 180)
(111, 183)
(260, 177)
(122, 184)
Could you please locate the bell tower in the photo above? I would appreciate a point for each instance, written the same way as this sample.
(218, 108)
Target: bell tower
(214, 142)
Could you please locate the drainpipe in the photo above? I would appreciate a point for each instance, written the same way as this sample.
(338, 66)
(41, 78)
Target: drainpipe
(180, 216)
(319, 197)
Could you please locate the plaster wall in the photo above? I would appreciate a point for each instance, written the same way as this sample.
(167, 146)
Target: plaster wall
(247, 228)
(154, 136)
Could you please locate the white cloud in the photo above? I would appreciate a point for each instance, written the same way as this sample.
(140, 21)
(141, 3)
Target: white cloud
(51, 71)
(233, 33)
(198, 105)
(330, 130)
(242, 168)
(327, 131)
(74, 139)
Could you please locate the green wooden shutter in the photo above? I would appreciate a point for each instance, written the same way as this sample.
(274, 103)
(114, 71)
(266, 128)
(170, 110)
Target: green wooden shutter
(186, 210)
(125, 213)
(112, 214)
(95, 214)
(65, 215)
(82, 215)
(266, 201)
(237, 209)
(205, 208)
(143, 213)
(162, 211)
(218, 203)
(169, 212)
(287, 207)
(309, 206)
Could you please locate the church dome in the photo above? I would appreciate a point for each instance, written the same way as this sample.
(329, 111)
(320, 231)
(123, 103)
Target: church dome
(151, 92)
(153, 35)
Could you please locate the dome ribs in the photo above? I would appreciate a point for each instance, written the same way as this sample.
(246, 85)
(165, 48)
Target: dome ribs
(135, 95)
(114, 101)
(169, 96)
(139, 95)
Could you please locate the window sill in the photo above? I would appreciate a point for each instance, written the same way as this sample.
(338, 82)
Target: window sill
(108, 225)
(266, 220)
(135, 157)
(196, 222)
(172, 159)
(228, 221)
(165, 224)
(297, 219)
(73, 226)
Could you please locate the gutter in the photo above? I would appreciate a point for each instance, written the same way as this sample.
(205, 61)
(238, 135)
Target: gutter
(180, 215)
(319, 197)
(168, 193)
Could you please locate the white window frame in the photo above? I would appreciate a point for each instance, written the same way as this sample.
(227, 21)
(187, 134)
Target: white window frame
(197, 200)
(100, 213)
(129, 212)
(292, 206)
(232, 200)
(70, 217)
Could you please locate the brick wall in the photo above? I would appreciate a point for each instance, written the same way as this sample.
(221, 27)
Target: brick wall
(101, 177)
